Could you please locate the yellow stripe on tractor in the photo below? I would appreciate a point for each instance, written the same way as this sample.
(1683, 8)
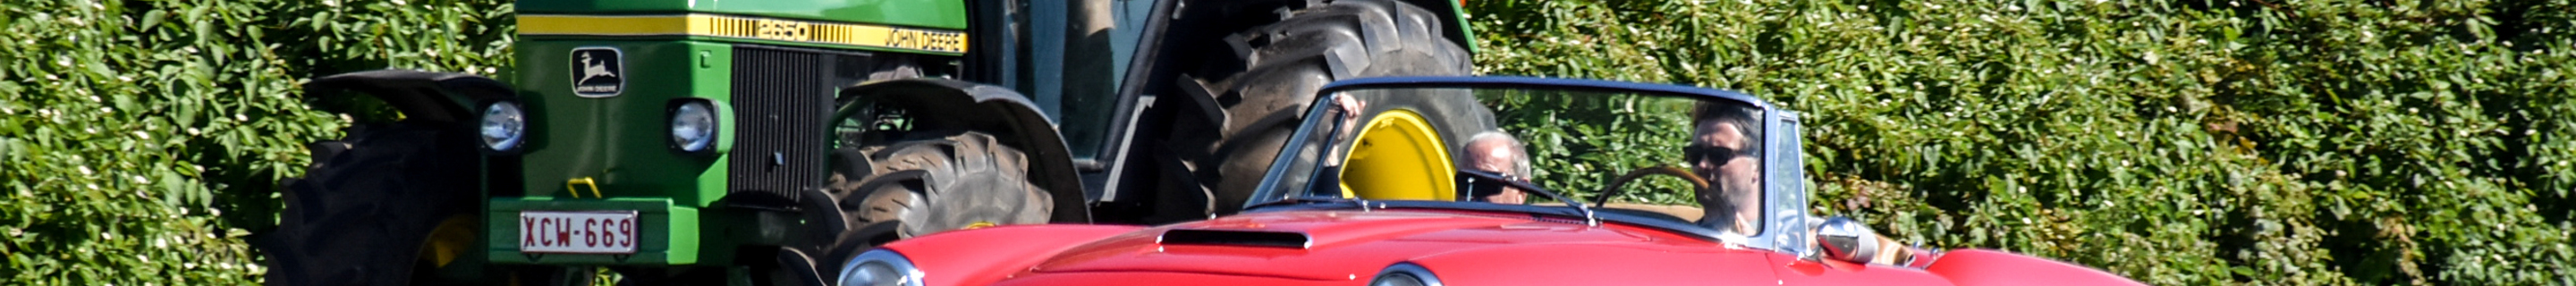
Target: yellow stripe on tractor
(741, 27)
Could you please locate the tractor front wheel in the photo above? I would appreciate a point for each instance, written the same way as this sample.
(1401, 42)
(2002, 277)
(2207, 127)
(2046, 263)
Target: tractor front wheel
(928, 184)
(390, 204)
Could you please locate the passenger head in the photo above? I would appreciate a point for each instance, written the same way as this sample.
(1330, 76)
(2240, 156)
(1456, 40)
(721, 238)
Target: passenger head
(1725, 149)
(1494, 151)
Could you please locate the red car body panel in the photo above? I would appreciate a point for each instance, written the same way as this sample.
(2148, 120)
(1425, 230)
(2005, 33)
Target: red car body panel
(1603, 264)
(1794, 271)
(1346, 244)
(981, 256)
(1996, 268)
(1154, 278)
(1349, 247)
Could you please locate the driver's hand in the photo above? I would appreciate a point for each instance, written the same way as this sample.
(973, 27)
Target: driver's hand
(1351, 108)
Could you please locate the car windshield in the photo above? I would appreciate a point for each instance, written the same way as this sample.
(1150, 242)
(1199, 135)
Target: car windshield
(1624, 153)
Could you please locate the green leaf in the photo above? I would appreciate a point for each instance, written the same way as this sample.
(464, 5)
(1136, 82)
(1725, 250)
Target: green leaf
(152, 19)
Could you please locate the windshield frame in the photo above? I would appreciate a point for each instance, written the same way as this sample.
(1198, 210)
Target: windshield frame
(1540, 212)
(1783, 186)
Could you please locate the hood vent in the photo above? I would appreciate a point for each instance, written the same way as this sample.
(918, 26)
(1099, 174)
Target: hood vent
(1236, 238)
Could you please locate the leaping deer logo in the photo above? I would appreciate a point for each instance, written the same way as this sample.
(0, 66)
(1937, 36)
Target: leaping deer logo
(595, 72)
(593, 69)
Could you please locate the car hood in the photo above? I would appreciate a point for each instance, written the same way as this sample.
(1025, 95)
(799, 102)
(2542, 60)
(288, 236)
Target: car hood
(1340, 245)
(1347, 247)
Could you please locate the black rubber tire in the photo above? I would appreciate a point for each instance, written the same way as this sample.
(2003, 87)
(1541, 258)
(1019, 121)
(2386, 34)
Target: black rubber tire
(925, 185)
(368, 202)
(1286, 63)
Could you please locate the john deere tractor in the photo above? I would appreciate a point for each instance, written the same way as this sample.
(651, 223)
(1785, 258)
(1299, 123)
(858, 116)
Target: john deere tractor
(766, 141)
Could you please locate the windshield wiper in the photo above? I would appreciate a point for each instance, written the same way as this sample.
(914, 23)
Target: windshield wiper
(1488, 182)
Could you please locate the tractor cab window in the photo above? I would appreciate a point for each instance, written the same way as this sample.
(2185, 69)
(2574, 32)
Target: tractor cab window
(1671, 157)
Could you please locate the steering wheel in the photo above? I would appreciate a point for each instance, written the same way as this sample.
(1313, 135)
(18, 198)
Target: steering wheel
(1611, 190)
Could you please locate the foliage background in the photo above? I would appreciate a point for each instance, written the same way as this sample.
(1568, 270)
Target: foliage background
(2175, 142)
(2181, 142)
(140, 140)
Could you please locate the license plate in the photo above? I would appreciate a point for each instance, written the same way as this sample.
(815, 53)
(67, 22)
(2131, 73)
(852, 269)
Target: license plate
(611, 232)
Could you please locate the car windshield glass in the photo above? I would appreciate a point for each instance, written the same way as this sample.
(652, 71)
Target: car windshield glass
(1673, 157)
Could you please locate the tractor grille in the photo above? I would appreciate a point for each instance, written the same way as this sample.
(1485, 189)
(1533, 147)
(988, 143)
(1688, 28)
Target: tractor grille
(781, 98)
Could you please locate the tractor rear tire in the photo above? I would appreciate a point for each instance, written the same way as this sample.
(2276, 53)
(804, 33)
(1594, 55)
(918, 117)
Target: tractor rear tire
(927, 185)
(1285, 64)
(365, 210)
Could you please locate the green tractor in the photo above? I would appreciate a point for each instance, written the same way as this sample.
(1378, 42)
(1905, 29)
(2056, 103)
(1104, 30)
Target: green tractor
(764, 142)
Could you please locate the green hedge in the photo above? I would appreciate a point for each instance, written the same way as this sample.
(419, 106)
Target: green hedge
(2194, 142)
(2175, 142)
(139, 140)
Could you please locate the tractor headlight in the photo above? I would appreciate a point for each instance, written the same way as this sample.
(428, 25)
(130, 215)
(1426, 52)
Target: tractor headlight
(880, 268)
(503, 126)
(1405, 274)
(693, 126)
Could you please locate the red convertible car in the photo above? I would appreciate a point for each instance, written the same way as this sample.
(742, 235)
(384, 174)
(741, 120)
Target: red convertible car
(1378, 186)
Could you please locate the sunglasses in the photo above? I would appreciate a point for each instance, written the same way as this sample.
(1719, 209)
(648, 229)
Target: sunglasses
(1481, 183)
(1714, 154)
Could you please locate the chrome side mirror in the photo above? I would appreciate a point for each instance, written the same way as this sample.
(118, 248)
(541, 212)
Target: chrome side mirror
(1847, 240)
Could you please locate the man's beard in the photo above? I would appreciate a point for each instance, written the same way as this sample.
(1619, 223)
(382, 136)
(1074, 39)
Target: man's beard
(1727, 204)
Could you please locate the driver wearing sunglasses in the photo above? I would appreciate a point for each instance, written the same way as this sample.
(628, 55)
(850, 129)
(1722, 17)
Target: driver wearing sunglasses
(1725, 149)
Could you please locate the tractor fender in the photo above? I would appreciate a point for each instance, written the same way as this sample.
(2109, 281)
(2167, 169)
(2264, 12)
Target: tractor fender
(433, 96)
(1006, 114)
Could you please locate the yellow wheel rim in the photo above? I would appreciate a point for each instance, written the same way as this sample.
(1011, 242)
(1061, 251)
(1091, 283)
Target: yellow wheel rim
(1399, 156)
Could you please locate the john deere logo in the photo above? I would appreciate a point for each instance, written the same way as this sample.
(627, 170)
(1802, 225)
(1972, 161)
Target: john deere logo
(597, 72)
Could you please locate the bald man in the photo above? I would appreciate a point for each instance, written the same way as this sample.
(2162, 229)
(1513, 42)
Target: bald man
(1493, 151)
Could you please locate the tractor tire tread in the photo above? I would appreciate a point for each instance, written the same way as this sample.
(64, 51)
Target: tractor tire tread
(1285, 63)
(367, 203)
